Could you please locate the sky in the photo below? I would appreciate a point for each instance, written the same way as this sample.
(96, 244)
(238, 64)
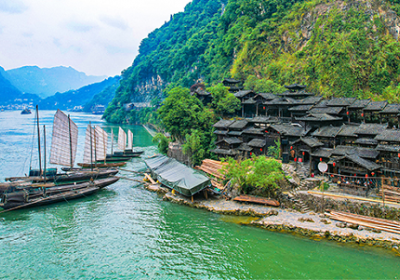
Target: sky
(98, 37)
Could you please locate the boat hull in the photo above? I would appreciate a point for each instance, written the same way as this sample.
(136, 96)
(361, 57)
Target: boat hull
(101, 165)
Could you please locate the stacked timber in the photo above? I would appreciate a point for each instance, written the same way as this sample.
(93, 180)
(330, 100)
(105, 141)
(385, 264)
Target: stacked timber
(390, 194)
(213, 168)
(375, 223)
(257, 200)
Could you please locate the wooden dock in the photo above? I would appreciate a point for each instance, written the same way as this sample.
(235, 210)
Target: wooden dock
(257, 200)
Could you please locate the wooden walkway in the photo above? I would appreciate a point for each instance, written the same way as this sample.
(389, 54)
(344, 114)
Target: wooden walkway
(257, 200)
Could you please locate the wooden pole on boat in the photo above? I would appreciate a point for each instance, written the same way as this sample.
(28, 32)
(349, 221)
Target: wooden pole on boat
(38, 130)
(70, 142)
(112, 141)
(91, 146)
(44, 152)
(95, 146)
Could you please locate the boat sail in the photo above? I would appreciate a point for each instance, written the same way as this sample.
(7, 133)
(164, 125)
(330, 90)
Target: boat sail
(130, 140)
(95, 144)
(121, 139)
(64, 140)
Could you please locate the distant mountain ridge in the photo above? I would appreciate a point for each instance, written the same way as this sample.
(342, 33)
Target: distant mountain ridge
(48, 81)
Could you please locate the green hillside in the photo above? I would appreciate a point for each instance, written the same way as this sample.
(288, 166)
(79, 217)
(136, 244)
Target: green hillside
(340, 48)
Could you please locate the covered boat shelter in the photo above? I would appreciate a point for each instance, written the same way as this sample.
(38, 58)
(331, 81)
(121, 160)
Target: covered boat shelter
(177, 176)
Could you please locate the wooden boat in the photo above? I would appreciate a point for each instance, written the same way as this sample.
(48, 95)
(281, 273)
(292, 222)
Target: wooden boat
(36, 196)
(26, 112)
(126, 151)
(101, 165)
(257, 200)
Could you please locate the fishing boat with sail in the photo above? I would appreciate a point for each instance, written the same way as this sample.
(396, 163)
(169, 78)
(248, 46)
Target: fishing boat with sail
(126, 152)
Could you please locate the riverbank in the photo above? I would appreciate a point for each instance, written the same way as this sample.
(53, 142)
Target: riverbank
(313, 225)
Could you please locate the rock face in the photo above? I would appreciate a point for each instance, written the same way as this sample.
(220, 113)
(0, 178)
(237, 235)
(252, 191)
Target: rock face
(149, 88)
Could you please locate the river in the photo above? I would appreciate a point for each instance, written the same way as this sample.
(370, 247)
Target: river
(124, 231)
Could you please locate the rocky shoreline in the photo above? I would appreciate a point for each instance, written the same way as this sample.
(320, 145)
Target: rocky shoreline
(312, 225)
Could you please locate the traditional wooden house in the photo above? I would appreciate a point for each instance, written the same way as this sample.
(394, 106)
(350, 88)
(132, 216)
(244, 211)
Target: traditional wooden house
(204, 96)
(245, 151)
(246, 97)
(341, 102)
(259, 146)
(233, 85)
(279, 107)
(370, 130)
(321, 155)
(253, 132)
(389, 159)
(285, 133)
(315, 120)
(356, 110)
(352, 164)
(221, 128)
(302, 149)
(333, 111)
(236, 128)
(299, 110)
(390, 114)
(327, 135)
(227, 147)
(388, 136)
(347, 134)
(260, 99)
(296, 91)
(371, 111)
(366, 142)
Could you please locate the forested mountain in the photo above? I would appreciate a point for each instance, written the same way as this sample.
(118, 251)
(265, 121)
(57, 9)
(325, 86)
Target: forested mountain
(72, 98)
(47, 81)
(104, 97)
(341, 48)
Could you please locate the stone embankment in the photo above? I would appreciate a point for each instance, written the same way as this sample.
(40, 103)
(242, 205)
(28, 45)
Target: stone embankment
(311, 224)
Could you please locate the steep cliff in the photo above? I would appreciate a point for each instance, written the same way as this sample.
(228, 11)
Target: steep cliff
(341, 48)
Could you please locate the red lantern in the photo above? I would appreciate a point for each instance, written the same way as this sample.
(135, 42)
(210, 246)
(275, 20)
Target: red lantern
(264, 108)
(372, 173)
(291, 147)
(362, 114)
(355, 175)
(250, 153)
(366, 175)
(320, 159)
(260, 149)
(266, 131)
(300, 160)
(347, 112)
(332, 175)
(398, 155)
(334, 164)
(295, 159)
(304, 153)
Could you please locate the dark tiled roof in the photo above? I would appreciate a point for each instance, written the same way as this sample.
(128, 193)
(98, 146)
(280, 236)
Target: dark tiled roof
(371, 128)
(311, 100)
(239, 124)
(201, 91)
(327, 110)
(361, 152)
(348, 130)
(390, 135)
(366, 141)
(318, 117)
(281, 101)
(343, 101)
(295, 86)
(245, 147)
(290, 130)
(327, 131)
(260, 119)
(322, 152)
(391, 109)
(388, 148)
(363, 162)
(376, 106)
(223, 123)
(301, 108)
(230, 80)
(267, 96)
(309, 141)
(235, 133)
(221, 132)
(242, 93)
(224, 152)
(257, 143)
(360, 104)
(254, 130)
(296, 93)
(230, 140)
(321, 104)
(249, 101)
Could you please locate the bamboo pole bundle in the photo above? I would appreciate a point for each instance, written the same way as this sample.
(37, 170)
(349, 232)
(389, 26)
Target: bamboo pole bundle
(375, 223)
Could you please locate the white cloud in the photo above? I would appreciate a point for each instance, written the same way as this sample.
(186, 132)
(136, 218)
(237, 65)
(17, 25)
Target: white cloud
(98, 38)
(12, 6)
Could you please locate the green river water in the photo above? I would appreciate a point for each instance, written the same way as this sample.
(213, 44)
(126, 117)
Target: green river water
(126, 232)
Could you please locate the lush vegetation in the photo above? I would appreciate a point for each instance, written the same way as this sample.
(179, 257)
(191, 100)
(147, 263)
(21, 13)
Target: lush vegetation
(104, 97)
(350, 51)
(162, 142)
(259, 175)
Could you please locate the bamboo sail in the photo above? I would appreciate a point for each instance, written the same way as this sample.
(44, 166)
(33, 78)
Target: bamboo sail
(64, 140)
(130, 140)
(97, 149)
(121, 139)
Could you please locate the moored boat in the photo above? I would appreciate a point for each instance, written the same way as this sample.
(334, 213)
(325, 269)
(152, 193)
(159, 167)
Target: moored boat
(26, 112)
(38, 195)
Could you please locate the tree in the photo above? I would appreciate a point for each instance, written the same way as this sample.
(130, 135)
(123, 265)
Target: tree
(194, 148)
(275, 151)
(262, 85)
(162, 142)
(259, 174)
(223, 102)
